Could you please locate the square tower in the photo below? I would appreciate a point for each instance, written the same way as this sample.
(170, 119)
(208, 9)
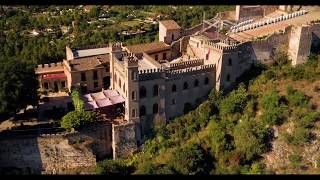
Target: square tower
(169, 31)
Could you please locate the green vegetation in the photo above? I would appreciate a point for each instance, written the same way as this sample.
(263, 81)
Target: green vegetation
(229, 134)
(18, 86)
(78, 117)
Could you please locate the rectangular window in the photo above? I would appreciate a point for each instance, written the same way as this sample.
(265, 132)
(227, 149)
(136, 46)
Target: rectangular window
(46, 85)
(107, 69)
(164, 56)
(95, 75)
(95, 84)
(133, 113)
(63, 84)
(83, 76)
(156, 57)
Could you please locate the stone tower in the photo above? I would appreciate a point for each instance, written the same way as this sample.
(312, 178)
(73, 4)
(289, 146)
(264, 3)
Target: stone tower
(169, 31)
(132, 92)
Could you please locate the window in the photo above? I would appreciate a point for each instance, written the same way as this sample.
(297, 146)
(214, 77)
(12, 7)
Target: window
(133, 75)
(196, 83)
(83, 76)
(155, 108)
(155, 90)
(133, 95)
(164, 55)
(174, 88)
(185, 85)
(197, 45)
(63, 84)
(173, 101)
(119, 82)
(83, 89)
(172, 37)
(95, 75)
(228, 77)
(206, 81)
(107, 68)
(95, 84)
(207, 56)
(156, 57)
(46, 85)
(230, 62)
(142, 110)
(143, 92)
(133, 113)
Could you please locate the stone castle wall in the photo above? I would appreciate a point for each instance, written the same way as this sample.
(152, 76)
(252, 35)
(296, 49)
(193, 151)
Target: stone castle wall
(124, 140)
(56, 153)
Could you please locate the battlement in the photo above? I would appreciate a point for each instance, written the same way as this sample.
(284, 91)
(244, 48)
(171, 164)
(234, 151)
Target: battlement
(114, 45)
(172, 74)
(150, 74)
(223, 45)
(186, 64)
(268, 21)
(52, 67)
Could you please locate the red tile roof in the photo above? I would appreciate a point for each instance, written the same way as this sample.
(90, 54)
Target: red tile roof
(170, 24)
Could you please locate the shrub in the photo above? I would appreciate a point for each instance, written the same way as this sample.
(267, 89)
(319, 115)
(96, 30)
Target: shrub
(296, 98)
(113, 167)
(76, 119)
(235, 102)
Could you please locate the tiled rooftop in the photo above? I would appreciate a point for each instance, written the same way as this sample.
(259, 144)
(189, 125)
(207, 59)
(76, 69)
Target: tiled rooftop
(87, 63)
(148, 47)
(170, 24)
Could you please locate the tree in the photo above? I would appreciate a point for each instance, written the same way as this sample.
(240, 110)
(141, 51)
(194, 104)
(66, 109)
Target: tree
(79, 117)
(77, 102)
(191, 160)
(250, 138)
(18, 85)
(235, 102)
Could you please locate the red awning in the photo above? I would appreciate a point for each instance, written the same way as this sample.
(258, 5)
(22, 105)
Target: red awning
(54, 76)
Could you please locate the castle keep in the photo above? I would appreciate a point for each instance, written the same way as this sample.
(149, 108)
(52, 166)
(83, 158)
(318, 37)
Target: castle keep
(134, 85)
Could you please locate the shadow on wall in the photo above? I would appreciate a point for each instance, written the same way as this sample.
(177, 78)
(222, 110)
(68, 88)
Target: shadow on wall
(20, 155)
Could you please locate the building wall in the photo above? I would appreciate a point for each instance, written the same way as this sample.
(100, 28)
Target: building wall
(101, 72)
(165, 35)
(299, 44)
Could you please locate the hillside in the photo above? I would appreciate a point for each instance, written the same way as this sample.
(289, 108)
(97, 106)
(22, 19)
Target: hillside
(266, 125)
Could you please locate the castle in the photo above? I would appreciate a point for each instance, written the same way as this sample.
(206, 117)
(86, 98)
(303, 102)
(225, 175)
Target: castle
(166, 79)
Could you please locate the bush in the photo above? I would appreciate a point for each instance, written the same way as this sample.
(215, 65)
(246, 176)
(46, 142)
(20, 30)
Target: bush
(296, 98)
(235, 102)
(113, 167)
(191, 160)
(76, 119)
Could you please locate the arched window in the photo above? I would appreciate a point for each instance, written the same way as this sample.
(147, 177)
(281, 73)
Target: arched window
(206, 80)
(133, 95)
(143, 92)
(230, 62)
(228, 77)
(155, 108)
(185, 85)
(174, 88)
(196, 83)
(172, 37)
(155, 90)
(142, 110)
